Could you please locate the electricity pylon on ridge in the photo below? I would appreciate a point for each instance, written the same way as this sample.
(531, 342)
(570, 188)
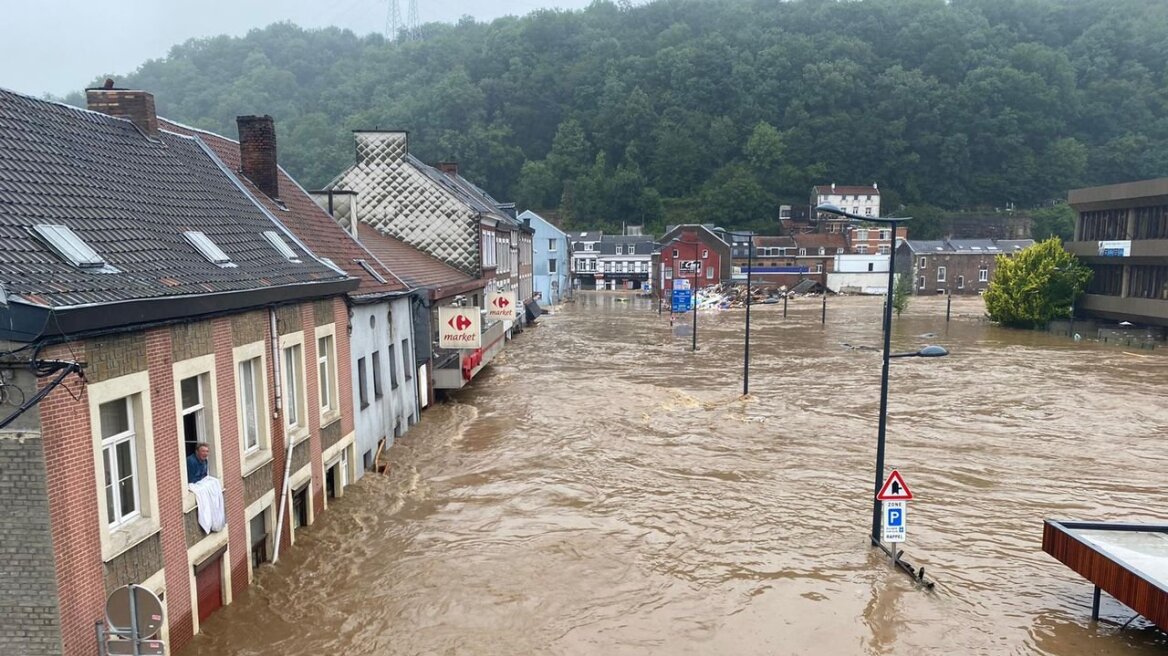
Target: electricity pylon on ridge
(393, 21)
(395, 28)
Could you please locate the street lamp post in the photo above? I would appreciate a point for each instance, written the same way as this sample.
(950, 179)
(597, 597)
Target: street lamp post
(694, 296)
(746, 343)
(693, 284)
(881, 431)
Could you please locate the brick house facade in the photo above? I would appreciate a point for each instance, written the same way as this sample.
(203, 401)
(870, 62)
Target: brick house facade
(143, 317)
(692, 243)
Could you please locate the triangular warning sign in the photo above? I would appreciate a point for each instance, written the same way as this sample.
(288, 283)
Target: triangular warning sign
(894, 489)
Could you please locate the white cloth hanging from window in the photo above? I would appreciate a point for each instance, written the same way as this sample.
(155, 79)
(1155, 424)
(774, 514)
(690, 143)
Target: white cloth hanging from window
(209, 497)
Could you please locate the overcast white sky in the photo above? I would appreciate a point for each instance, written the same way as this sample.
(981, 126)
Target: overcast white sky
(60, 46)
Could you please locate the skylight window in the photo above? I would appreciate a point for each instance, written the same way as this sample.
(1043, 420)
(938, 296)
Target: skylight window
(208, 249)
(281, 246)
(69, 246)
(371, 271)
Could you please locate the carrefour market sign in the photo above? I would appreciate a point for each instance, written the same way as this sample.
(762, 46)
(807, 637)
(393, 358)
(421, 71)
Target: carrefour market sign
(459, 328)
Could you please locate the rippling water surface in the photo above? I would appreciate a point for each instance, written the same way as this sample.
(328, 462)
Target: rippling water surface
(604, 490)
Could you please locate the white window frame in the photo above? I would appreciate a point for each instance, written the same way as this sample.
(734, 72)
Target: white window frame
(983, 274)
(861, 234)
(709, 273)
(204, 368)
(802, 252)
(885, 249)
(110, 469)
(705, 253)
(960, 282)
(819, 267)
(862, 249)
(675, 255)
(261, 453)
(923, 263)
(941, 273)
(620, 249)
(922, 282)
(330, 411)
(294, 388)
(552, 265)
(886, 234)
(133, 530)
(553, 245)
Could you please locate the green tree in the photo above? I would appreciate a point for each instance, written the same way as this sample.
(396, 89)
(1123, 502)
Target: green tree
(901, 292)
(1036, 285)
(1057, 221)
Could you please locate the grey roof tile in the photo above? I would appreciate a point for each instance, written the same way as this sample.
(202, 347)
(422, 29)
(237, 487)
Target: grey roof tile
(130, 198)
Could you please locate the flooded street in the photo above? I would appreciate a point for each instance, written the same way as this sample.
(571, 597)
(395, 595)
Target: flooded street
(603, 490)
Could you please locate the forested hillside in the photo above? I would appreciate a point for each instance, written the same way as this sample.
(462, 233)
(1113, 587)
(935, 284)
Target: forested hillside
(716, 109)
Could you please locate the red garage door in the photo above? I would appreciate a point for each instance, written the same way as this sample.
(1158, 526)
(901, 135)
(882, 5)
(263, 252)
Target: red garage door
(209, 585)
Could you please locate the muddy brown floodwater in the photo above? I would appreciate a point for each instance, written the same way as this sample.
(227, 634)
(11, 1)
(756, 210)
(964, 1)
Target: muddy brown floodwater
(603, 490)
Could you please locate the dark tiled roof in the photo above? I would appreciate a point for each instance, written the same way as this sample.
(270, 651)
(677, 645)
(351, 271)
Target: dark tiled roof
(924, 246)
(416, 268)
(311, 224)
(774, 241)
(130, 199)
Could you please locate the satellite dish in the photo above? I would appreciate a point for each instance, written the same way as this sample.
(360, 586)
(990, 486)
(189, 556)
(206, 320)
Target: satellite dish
(132, 605)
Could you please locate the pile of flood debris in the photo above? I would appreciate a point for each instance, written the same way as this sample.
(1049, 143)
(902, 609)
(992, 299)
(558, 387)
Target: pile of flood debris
(730, 295)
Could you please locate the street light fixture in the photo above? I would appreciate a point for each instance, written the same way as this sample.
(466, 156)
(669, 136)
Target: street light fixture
(882, 430)
(931, 351)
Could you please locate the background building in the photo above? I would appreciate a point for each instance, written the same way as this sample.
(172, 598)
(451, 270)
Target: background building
(1121, 233)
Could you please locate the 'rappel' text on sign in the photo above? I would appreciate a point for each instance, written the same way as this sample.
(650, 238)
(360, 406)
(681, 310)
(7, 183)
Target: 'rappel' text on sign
(459, 328)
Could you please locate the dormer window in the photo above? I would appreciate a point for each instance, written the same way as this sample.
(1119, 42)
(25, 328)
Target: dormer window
(69, 247)
(281, 246)
(209, 249)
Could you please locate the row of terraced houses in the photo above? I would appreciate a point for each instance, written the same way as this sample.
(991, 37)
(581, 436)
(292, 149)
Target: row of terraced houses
(163, 287)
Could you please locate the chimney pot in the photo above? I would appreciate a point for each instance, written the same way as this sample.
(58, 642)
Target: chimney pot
(257, 153)
(134, 106)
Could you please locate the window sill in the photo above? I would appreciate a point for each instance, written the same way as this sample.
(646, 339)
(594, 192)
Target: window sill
(298, 434)
(255, 460)
(127, 536)
(329, 418)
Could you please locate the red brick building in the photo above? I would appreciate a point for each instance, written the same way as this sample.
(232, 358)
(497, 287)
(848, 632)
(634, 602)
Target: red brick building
(692, 243)
(160, 309)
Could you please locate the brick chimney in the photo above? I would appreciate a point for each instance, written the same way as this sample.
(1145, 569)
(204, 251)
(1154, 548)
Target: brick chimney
(257, 152)
(134, 106)
(449, 168)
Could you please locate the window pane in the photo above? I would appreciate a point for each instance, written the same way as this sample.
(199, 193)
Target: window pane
(115, 418)
(192, 430)
(291, 387)
(248, 401)
(125, 471)
(324, 354)
(407, 364)
(392, 369)
(362, 390)
(111, 509)
(190, 392)
(377, 374)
